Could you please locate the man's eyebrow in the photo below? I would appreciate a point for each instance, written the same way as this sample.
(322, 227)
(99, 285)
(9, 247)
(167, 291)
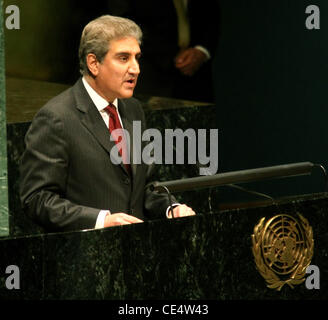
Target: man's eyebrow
(127, 53)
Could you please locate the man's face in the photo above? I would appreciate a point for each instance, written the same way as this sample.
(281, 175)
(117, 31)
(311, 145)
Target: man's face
(118, 73)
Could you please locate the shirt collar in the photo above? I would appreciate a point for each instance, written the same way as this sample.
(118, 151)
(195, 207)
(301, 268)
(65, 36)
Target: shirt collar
(99, 101)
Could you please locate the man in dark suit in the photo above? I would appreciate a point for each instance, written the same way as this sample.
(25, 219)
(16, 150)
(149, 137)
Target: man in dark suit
(68, 178)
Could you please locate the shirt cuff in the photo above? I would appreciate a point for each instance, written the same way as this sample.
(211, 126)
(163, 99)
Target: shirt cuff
(168, 208)
(205, 51)
(100, 223)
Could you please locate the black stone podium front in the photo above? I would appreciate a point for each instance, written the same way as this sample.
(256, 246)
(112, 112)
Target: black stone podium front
(201, 257)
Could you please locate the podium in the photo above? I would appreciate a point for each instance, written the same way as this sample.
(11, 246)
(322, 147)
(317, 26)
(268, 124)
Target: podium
(208, 256)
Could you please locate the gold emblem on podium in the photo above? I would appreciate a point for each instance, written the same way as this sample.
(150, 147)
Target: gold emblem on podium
(283, 249)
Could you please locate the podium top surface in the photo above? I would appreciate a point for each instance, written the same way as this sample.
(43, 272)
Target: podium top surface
(24, 97)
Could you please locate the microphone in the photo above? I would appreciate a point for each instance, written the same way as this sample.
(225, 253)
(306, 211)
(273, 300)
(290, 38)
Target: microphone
(241, 176)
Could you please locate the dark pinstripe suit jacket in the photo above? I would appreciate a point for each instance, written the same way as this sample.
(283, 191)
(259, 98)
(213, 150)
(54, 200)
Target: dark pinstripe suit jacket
(67, 175)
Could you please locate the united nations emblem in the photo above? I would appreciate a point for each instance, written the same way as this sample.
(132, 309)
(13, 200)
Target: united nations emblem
(283, 249)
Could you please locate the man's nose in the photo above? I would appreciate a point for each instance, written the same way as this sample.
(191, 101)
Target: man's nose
(134, 67)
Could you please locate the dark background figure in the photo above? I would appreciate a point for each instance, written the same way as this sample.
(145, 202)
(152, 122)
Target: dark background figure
(161, 73)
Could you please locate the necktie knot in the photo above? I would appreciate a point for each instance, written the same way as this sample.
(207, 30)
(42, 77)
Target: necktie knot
(111, 110)
(114, 122)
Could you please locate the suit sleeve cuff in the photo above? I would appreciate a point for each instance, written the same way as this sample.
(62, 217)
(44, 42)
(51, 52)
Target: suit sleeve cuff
(101, 219)
(205, 51)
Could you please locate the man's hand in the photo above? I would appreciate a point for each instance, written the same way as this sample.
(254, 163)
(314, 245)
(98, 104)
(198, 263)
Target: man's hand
(181, 211)
(117, 219)
(189, 61)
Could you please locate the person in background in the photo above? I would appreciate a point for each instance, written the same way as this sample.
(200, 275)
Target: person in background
(179, 45)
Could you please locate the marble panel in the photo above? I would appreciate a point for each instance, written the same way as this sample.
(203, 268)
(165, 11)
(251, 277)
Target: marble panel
(4, 220)
(205, 257)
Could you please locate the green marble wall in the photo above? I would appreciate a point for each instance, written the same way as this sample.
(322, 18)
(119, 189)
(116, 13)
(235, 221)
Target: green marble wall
(4, 228)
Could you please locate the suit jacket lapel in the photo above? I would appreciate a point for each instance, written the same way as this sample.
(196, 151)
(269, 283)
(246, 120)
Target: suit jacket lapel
(90, 116)
(93, 121)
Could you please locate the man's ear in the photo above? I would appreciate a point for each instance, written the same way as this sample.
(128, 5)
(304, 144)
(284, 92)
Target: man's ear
(93, 64)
